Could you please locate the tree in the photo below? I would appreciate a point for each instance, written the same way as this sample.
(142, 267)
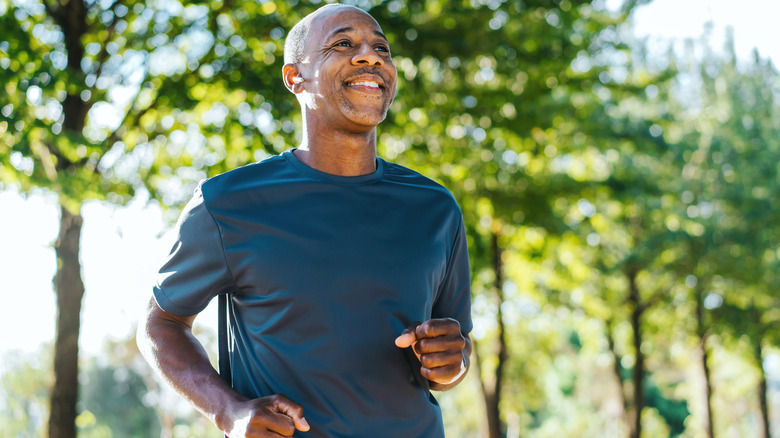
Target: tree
(733, 151)
(44, 114)
(86, 83)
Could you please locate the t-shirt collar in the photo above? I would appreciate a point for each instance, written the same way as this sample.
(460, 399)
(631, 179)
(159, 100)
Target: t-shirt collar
(310, 172)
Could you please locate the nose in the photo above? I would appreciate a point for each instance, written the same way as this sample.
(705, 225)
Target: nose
(367, 55)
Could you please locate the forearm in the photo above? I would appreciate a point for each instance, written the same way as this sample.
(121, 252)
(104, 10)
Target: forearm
(171, 349)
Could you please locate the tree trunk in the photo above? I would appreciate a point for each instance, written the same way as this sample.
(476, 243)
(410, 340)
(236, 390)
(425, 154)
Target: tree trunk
(69, 289)
(762, 388)
(703, 336)
(635, 424)
(624, 402)
(494, 418)
(71, 16)
(491, 391)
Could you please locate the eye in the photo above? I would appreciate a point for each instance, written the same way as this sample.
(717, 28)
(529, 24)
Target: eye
(382, 48)
(343, 43)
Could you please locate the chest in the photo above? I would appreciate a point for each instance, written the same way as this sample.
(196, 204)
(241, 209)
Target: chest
(355, 248)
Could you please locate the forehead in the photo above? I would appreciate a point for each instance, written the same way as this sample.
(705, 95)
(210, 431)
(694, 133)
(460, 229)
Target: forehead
(339, 20)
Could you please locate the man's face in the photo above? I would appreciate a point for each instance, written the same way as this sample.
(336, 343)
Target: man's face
(348, 69)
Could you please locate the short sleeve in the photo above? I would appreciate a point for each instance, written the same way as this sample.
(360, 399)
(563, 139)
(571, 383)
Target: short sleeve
(196, 270)
(454, 298)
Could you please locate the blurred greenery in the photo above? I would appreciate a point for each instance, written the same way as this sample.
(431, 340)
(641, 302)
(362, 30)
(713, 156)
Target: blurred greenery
(620, 203)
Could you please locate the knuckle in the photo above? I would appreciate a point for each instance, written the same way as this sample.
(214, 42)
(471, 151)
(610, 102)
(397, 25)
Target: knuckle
(288, 429)
(428, 327)
(454, 326)
(279, 401)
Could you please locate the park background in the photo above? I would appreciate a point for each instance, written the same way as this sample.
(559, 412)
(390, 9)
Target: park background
(617, 165)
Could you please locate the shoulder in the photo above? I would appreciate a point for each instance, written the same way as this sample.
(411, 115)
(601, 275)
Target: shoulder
(242, 179)
(427, 187)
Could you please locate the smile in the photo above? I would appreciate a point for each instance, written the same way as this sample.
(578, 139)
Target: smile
(366, 81)
(370, 84)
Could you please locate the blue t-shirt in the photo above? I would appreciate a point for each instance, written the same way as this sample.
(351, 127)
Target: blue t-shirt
(323, 273)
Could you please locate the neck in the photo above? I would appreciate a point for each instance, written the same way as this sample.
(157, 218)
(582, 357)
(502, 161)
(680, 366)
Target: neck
(338, 152)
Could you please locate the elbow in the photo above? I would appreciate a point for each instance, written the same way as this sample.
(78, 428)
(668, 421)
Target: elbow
(142, 335)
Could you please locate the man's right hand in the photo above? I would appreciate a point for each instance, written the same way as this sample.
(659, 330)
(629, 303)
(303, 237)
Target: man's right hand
(272, 416)
(167, 343)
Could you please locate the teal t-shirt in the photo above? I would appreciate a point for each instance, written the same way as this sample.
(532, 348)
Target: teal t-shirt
(323, 273)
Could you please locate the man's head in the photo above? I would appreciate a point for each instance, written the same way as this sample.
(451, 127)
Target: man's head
(337, 62)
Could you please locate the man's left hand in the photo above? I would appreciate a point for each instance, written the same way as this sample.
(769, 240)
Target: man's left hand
(441, 349)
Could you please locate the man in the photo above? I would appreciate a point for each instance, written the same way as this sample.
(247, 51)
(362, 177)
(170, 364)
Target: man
(330, 257)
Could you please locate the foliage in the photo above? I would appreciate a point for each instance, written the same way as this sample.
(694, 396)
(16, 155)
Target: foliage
(730, 165)
(24, 382)
(113, 398)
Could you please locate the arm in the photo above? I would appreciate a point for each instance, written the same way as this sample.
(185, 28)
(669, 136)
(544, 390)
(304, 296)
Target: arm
(167, 343)
(442, 350)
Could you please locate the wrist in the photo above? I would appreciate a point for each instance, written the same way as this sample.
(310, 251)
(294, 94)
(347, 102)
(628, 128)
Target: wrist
(227, 412)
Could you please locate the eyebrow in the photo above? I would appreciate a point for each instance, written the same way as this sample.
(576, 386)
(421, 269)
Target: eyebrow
(349, 29)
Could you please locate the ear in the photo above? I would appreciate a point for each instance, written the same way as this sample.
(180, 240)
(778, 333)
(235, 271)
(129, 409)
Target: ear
(290, 71)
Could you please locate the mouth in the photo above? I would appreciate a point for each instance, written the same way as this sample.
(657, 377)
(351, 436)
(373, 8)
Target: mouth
(370, 84)
(366, 83)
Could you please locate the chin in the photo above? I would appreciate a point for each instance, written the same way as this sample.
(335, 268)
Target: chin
(368, 118)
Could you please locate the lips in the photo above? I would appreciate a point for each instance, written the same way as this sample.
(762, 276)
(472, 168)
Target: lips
(366, 81)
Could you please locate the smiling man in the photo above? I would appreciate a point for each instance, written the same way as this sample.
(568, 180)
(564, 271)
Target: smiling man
(331, 257)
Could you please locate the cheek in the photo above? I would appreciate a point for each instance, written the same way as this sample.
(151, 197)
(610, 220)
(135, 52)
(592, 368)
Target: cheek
(395, 87)
(394, 75)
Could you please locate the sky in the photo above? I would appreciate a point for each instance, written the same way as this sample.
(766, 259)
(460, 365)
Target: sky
(123, 247)
(754, 23)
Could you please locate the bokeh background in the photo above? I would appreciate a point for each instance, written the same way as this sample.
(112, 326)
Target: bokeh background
(616, 161)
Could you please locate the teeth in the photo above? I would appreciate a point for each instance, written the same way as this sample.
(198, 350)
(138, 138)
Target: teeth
(367, 84)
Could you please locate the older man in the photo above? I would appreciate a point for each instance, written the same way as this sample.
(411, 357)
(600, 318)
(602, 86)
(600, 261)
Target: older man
(330, 256)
